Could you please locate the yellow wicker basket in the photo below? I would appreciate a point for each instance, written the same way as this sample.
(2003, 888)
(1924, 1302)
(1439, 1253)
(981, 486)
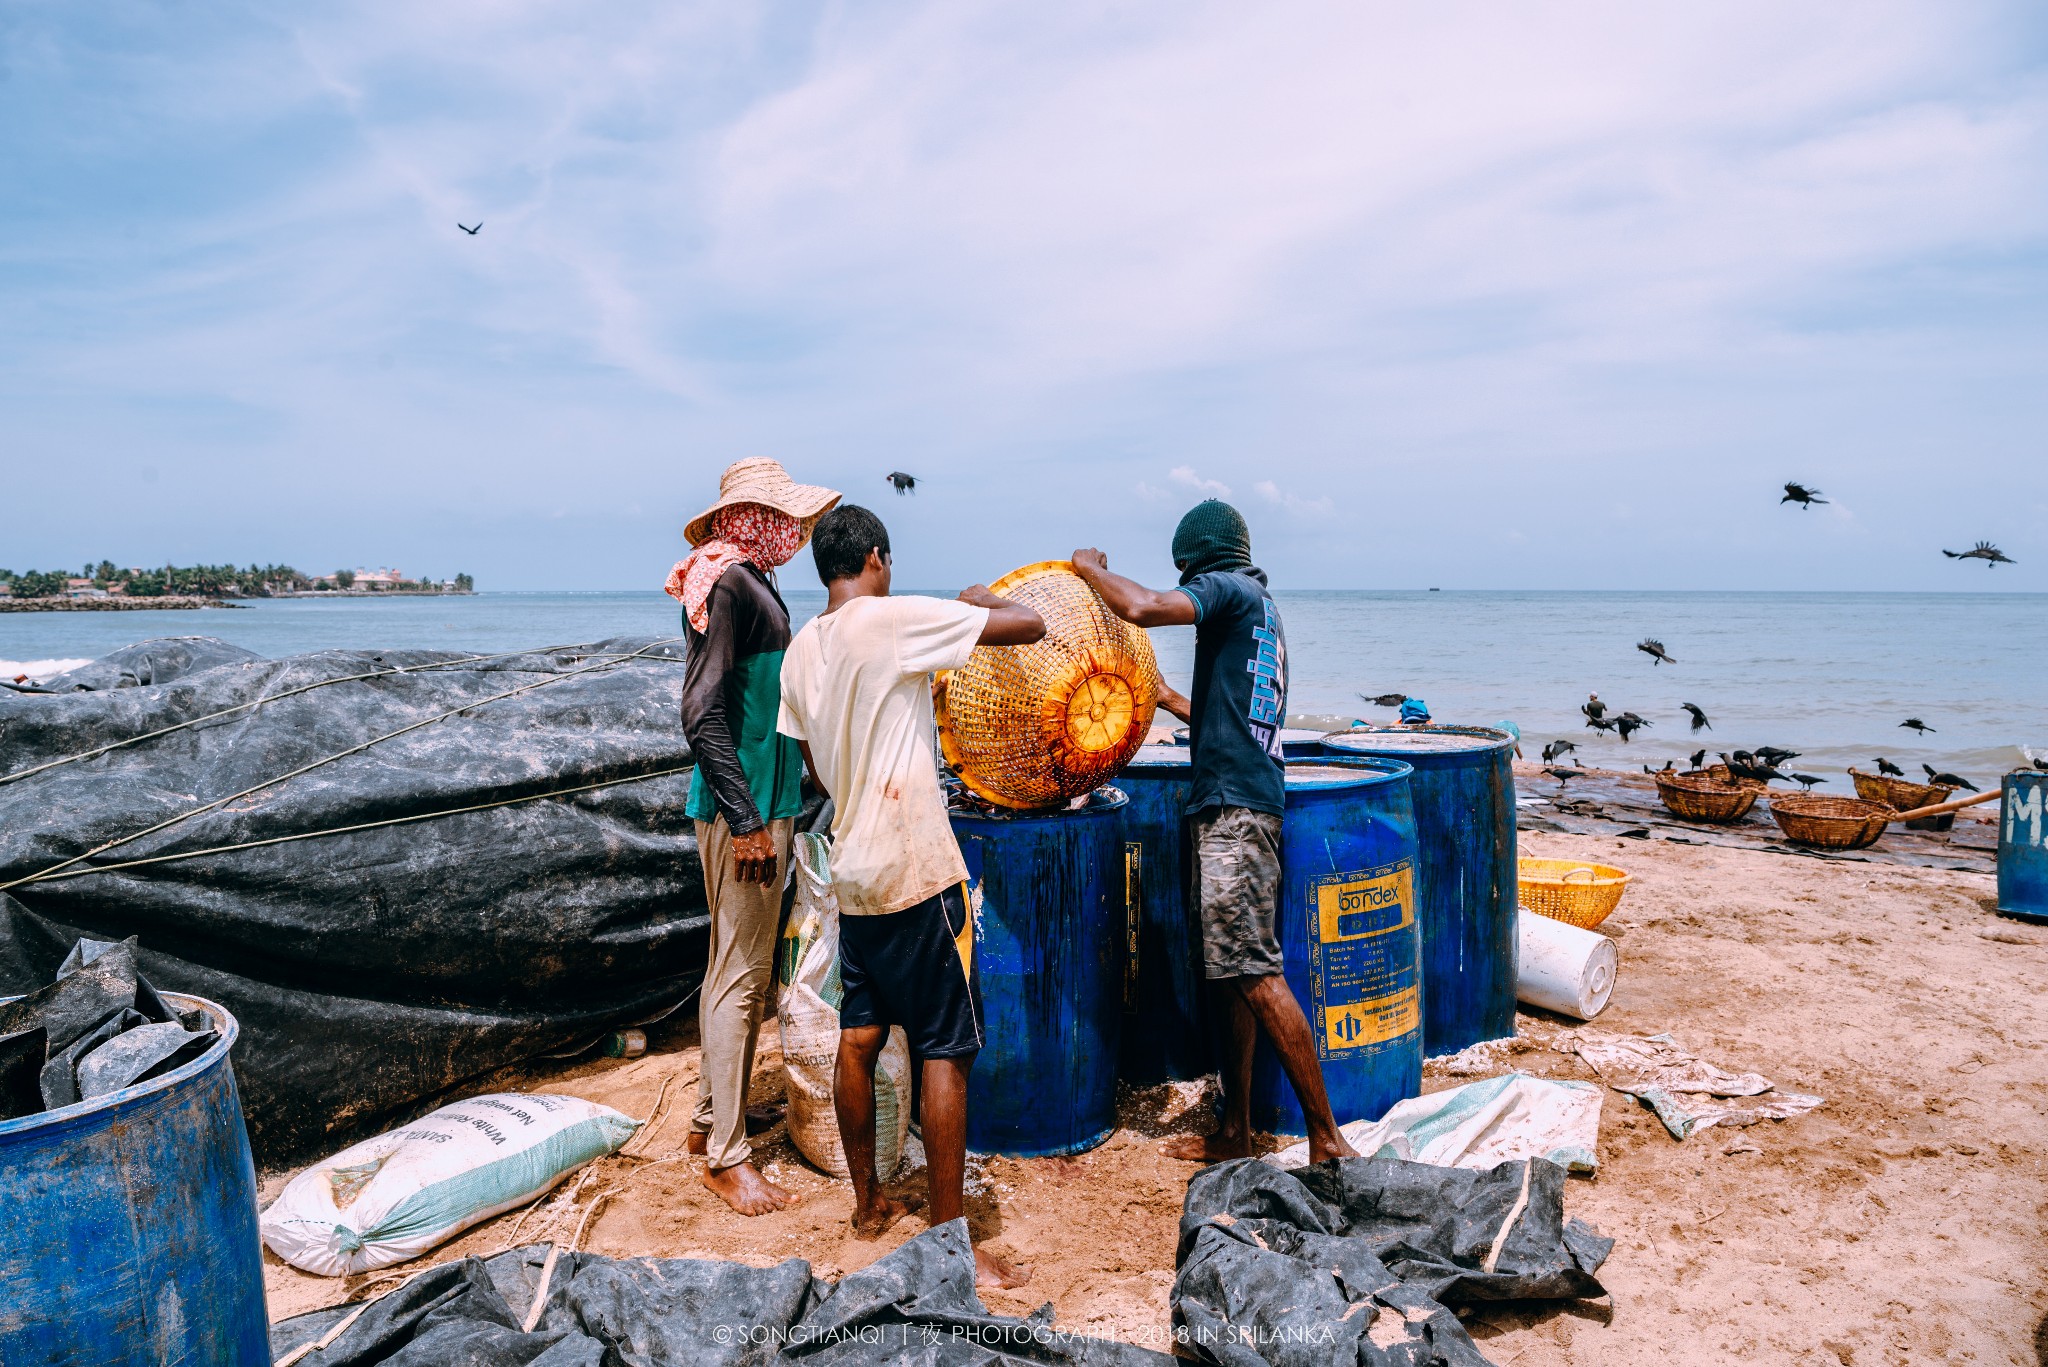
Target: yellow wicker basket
(1571, 890)
(1037, 725)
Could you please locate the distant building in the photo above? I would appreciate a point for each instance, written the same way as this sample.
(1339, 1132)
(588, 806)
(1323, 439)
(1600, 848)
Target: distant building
(6, 590)
(83, 588)
(366, 579)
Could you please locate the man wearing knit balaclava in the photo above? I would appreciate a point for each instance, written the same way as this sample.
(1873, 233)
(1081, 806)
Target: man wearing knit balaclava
(1235, 708)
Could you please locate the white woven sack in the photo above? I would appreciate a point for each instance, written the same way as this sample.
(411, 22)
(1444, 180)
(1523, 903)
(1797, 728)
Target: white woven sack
(807, 1008)
(396, 1196)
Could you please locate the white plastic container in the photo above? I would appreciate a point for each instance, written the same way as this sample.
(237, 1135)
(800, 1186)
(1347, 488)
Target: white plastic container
(1562, 968)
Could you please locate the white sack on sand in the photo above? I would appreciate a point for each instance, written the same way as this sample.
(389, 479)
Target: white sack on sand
(1481, 1124)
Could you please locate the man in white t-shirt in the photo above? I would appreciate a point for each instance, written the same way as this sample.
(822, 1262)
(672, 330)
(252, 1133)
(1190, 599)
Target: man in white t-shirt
(856, 696)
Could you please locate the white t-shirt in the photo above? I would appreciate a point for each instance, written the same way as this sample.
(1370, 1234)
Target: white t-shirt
(856, 688)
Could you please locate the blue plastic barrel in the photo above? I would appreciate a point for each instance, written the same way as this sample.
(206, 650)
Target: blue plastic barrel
(128, 1225)
(1348, 929)
(1464, 793)
(1165, 1029)
(1296, 742)
(1051, 918)
(2023, 846)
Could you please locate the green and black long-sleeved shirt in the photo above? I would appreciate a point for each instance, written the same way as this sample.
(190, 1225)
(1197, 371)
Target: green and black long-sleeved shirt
(732, 687)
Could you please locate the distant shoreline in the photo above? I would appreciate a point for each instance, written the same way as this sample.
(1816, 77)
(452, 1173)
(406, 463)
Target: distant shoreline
(188, 602)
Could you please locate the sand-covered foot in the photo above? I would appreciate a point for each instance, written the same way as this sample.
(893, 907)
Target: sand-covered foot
(989, 1270)
(887, 1210)
(1336, 1148)
(742, 1187)
(1208, 1148)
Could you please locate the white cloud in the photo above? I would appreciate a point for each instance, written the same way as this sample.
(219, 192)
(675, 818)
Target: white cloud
(1186, 475)
(1294, 503)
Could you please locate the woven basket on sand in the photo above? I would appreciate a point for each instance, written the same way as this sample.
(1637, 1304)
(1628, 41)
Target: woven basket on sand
(1036, 725)
(1898, 793)
(1570, 890)
(1696, 797)
(1829, 823)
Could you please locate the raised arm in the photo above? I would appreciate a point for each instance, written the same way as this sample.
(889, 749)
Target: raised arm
(1009, 623)
(1129, 599)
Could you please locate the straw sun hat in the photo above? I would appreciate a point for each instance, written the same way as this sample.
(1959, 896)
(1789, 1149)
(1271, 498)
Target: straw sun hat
(765, 482)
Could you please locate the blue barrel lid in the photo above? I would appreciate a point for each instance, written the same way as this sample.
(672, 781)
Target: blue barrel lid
(1343, 772)
(1419, 740)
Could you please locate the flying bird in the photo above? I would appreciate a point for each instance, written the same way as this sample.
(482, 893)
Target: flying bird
(1806, 781)
(1885, 766)
(1556, 748)
(1984, 551)
(1655, 650)
(1795, 492)
(904, 484)
(471, 231)
(1917, 725)
(1948, 780)
(1699, 719)
(1699, 757)
(1386, 699)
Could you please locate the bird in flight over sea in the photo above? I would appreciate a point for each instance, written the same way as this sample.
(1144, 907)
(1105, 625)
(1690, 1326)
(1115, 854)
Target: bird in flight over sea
(1885, 766)
(1655, 650)
(1984, 551)
(1917, 725)
(1806, 781)
(904, 484)
(1386, 699)
(1795, 492)
(1948, 780)
(1699, 718)
(1628, 723)
(472, 231)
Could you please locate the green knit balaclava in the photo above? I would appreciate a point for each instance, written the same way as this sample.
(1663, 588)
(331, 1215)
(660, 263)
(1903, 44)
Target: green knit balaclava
(1211, 537)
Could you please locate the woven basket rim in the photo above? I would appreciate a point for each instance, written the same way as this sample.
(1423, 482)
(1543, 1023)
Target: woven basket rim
(1604, 875)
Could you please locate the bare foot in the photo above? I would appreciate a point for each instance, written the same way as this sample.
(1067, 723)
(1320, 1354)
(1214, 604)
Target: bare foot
(989, 1270)
(1335, 1148)
(744, 1189)
(867, 1224)
(1208, 1148)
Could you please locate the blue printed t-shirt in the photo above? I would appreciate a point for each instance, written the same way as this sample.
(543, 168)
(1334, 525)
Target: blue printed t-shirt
(1239, 697)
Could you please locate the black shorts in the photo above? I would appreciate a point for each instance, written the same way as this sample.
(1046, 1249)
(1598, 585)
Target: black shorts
(914, 968)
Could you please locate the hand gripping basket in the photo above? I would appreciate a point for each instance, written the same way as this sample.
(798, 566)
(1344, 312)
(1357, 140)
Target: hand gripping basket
(1037, 725)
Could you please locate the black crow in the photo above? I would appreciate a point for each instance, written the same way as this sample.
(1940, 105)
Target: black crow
(2040, 763)
(1386, 699)
(1699, 718)
(1628, 723)
(471, 231)
(1564, 776)
(1796, 492)
(1916, 724)
(1984, 551)
(1806, 781)
(1655, 650)
(1948, 780)
(1771, 754)
(1699, 757)
(904, 484)
(1555, 749)
(1885, 766)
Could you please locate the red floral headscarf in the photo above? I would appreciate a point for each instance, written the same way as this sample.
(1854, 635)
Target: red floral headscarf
(739, 531)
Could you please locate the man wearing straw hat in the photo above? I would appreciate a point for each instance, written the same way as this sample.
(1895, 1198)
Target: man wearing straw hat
(1236, 707)
(746, 792)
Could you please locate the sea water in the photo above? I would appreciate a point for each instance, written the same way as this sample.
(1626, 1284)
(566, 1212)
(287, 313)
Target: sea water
(1828, 674)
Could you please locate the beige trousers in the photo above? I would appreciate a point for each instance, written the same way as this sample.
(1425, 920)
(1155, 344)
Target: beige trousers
(736, 984)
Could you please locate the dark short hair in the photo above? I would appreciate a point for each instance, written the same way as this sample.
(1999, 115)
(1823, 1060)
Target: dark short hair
(842, 539)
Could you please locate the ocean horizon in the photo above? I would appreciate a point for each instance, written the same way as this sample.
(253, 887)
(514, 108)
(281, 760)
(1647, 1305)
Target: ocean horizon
(1830, 675)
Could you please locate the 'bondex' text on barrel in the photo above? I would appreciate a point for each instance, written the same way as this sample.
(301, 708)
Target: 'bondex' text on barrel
(1052, 914)
(1348, 932)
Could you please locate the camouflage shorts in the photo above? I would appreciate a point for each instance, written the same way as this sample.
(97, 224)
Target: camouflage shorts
(1237, 887)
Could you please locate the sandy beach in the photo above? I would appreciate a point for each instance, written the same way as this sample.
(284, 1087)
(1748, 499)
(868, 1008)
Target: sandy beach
(1898, 1223)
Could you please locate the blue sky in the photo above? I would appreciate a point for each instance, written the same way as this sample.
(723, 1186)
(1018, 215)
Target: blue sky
(1460, 294)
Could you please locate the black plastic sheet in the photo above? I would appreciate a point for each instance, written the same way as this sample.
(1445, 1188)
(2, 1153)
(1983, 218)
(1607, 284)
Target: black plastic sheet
(916, 1305)
(370, 969)
(1361, 1260)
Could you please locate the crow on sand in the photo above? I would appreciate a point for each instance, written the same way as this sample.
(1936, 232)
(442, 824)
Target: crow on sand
(1795, 492)
(1806, 781)
(1984, 551)
(1948, 780)
(1917, 725)
(1885, 766)
(1699, 718)
(1654, 648)
(1563, 775)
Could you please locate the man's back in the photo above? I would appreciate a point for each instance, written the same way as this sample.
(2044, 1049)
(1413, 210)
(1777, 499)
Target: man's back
(856, 690)
(1239, 695)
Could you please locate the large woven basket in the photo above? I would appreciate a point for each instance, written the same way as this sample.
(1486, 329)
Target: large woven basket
(1829, 823)
(1696, 797)
(1897, 793)
(1037, 725)
(1571, 890)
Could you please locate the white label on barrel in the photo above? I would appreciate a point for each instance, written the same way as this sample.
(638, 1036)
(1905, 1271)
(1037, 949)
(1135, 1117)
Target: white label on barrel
(1362, 958)
(2023, 808)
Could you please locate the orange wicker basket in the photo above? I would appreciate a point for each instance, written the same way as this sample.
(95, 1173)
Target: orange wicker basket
(1037, 725)
(1570, 890)
(1829, 823)
(1695, 797)
(1898, 793)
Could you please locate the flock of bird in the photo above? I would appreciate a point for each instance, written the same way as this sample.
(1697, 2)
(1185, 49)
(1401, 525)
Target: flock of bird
(1805, 497)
